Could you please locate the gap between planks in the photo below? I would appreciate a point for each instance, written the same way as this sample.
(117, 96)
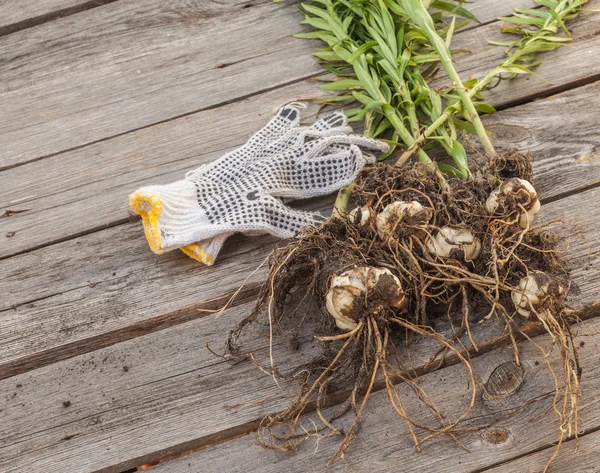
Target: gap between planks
(107, 286)
(84, 202)
(32, 13)
(384, 441)
(171, 397)
(106, 80)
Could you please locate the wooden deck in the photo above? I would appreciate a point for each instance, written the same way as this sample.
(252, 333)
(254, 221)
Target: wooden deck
(103, 365)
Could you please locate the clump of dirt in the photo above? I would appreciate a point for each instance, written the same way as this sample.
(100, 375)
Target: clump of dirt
(459, 286)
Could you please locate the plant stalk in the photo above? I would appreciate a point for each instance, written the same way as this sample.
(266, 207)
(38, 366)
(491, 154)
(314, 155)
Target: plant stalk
(419, 14)
(340, 207)
(550, 25)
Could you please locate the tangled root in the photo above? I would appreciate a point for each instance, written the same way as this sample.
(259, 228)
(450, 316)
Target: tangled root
(371, 356)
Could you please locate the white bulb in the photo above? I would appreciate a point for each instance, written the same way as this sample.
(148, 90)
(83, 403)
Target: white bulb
(450, 240)
(412, 213)
(513, 192)
(529, 297)
(365, 215)
(533, 289)
(354, 285)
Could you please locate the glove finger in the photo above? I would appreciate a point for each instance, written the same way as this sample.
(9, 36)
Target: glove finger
(333, 125)
(362, 142)
(323, 174)
(334, 120)
(316, 148)
(287, 118)
(285, 222)
(206, 251)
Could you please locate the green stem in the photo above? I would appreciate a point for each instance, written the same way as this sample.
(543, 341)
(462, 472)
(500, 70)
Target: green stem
(419, 14)
(420, 141)
(340, 207)
(550, 25)
(470, 109)
(404, 133)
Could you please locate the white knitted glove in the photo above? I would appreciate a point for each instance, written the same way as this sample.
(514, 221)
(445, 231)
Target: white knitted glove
(280, 133)
(239, 192)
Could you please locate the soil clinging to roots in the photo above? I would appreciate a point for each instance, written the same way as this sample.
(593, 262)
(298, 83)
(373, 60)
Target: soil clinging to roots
(372, 352)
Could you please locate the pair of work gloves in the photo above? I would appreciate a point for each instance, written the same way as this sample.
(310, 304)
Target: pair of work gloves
(243, 191)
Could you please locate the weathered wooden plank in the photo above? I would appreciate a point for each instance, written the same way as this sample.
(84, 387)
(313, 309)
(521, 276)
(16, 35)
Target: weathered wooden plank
(92, 194)
(99, 289)
(557, 134)
(34, 12)
(132, 65)
(384, 442)
(158, 395)
(174, 377)
(584, 458)
(106, 287)
(29, 13)
(487, 12)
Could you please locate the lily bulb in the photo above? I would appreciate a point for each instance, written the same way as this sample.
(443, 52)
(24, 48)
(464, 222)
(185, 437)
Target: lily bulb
(450, 240)
(511, 193)
(347, 298)
(533, 289)
(360, 215)
(413, 213)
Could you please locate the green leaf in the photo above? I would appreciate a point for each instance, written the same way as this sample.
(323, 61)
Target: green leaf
(450, 31)
(361, 50)
(317, 23)
(316, 11)
(547, 3)
(456, 9)
(560, 22)
(383, 126)
(533, 12)
(342, 84)
(327, 56)
(309, 35)
(503, 43)
(484, 107)
(355, 114)
(466, 126)
(328, 100)
(457, 152)
(523, 21)
(451, 171)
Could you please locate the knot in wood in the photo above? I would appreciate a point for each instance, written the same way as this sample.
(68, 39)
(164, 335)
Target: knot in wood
(509, 133)
(504, 381)
(496, 436)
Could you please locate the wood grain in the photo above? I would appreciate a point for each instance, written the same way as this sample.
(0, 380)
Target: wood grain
(556, 131)
(30, 13)
(92, 194)
(486, 11)
(105, 287)
(156, 395)
(581, 458)
(161, 394)
(385, 445)
(34, 12)
(138, 64)
(129, 64)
